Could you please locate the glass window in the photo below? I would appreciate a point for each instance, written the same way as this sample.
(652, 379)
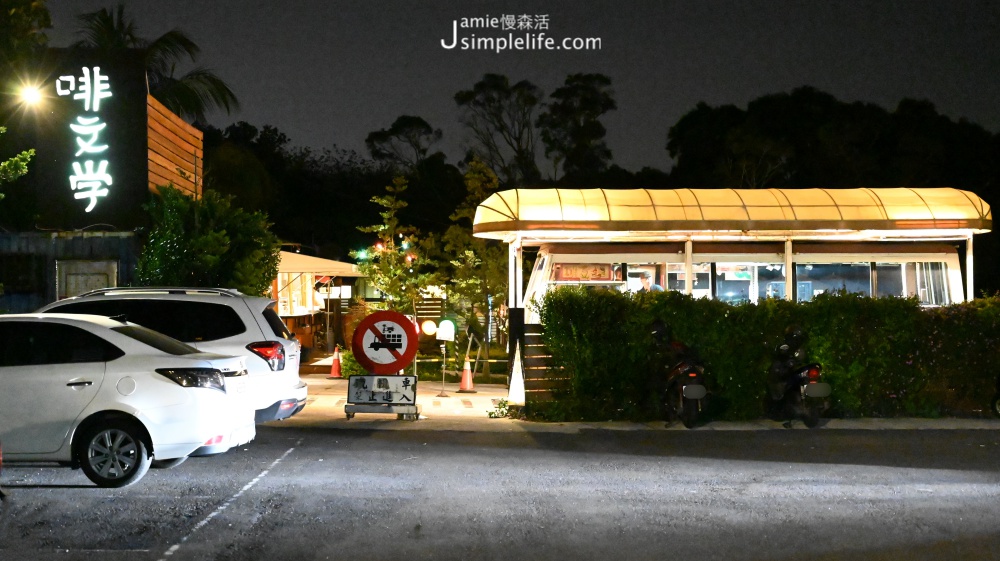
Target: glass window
(277, 326)
(818, 278)
(158, 341)
(34, 343)
(889, 277)
(749, 282)
(702, 283)
(928, 282)
(932, 283)
(634, 272)
(187, 321)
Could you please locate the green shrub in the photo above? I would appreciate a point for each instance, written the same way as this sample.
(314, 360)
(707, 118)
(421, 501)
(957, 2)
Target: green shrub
(349, 366)
(882, 356)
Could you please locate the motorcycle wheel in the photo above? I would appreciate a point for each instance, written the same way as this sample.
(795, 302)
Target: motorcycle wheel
(689, 412)
(810, 412)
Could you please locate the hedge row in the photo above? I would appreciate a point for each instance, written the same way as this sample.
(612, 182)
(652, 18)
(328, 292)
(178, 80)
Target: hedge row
(883, 356)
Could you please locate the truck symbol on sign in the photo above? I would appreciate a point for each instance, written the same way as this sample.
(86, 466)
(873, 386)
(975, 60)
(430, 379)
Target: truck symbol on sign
(392, 340)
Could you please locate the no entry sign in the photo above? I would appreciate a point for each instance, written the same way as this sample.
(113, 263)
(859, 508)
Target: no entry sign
(385, 342)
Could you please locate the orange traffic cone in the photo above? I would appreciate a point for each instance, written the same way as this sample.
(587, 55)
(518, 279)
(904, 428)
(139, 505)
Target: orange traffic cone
(466, 385)
(335, 366)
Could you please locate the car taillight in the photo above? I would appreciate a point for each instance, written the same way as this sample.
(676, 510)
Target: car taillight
(272, 352)
(195, 377)
(214, 440)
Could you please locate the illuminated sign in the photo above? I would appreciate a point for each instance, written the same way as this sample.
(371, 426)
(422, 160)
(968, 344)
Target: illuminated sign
(91, 139)
(90, 178)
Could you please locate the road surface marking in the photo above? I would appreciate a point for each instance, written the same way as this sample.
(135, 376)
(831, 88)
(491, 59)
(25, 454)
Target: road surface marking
(173, 549)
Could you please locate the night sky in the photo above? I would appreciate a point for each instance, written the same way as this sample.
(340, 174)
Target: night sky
(328, 72)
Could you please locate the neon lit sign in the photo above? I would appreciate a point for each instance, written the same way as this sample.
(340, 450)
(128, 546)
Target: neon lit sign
(90, 177)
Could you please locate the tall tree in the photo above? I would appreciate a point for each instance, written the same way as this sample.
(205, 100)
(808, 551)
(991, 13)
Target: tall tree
(571, 128)
(190, 95)
(404, 143)
(501, 118)
(696, 142)
(393, 263)
(207, 242)
(477, 267)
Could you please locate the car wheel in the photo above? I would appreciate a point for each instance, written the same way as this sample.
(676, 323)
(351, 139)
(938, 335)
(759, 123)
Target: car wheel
(167, 464)
(112, 454)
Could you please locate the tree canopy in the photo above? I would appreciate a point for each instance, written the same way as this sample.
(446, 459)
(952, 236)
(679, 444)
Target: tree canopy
(190, 95)
(207, 242)
(22, 30)
(571, 128)
(405, 143)
(501, 118)
(807, 138)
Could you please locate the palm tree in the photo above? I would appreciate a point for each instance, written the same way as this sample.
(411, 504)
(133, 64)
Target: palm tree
(191, 95)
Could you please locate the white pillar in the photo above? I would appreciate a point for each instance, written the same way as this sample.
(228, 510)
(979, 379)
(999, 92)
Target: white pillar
(512, 274)
(517, 256)
(688, 267)
(789, 272)
(970, 292)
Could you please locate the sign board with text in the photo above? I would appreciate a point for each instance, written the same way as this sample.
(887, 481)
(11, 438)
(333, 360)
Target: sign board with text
(90, 136)
(382, 390)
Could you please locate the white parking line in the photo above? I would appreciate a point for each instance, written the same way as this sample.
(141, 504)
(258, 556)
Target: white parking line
(173, 549)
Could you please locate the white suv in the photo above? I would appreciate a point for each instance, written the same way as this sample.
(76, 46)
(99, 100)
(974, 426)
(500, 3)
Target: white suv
(215, 320)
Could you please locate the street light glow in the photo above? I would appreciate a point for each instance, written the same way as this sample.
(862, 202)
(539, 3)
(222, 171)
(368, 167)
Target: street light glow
(31, 95)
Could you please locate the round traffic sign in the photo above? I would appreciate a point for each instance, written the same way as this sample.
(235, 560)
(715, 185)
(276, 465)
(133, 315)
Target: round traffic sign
(385, 342)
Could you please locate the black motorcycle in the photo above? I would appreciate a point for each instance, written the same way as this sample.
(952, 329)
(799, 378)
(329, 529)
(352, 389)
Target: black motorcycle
(685, 390)
(796, 389)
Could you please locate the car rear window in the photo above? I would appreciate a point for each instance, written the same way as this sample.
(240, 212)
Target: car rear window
(188, 321)
(277, 326)
(156, 340)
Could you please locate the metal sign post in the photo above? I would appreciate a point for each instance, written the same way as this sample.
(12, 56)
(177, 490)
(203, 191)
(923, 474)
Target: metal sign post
(444, 363)
(445, 333)
(384, 344)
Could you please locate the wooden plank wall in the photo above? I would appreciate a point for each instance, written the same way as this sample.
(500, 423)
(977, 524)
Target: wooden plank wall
(175, 150)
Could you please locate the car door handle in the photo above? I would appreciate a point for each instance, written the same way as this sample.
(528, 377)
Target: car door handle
(78, 384)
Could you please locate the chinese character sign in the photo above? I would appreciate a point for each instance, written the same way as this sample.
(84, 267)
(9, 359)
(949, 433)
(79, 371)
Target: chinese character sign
(91, 177)
(382, 390)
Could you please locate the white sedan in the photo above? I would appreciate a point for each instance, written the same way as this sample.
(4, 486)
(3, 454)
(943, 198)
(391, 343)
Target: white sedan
(112, 397)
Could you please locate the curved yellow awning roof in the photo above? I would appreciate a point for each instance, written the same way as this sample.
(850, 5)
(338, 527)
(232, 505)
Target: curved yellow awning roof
(543, 215)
